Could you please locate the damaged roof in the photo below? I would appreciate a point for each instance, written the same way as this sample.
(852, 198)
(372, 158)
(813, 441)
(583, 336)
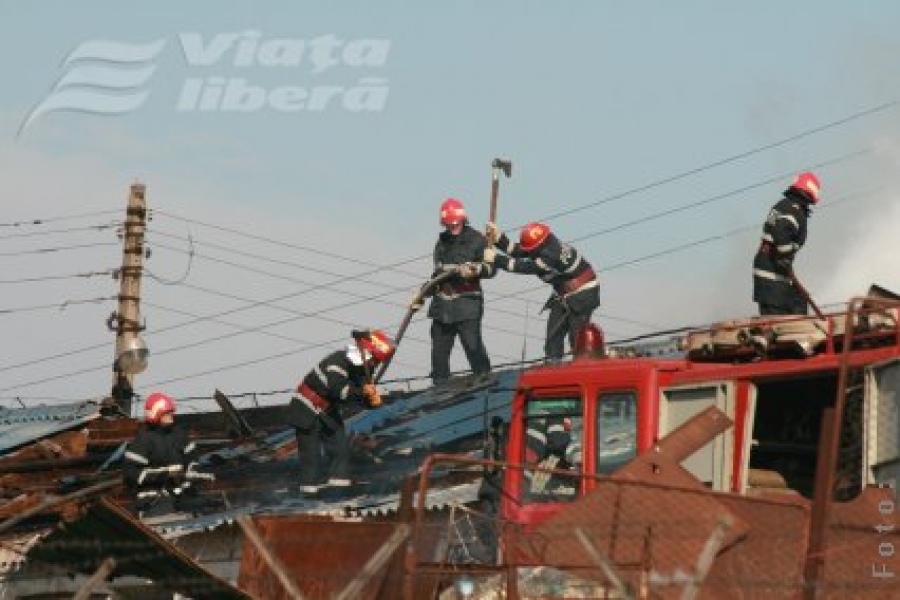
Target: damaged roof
(105, 530)
(22, 426)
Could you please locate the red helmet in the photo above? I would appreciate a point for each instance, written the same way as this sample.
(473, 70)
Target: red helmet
(533, 235)
(452, 212)
(808, 183)
(378, 344)
(157, 405)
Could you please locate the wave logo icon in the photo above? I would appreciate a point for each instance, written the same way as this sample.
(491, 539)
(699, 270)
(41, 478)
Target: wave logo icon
(101, 77)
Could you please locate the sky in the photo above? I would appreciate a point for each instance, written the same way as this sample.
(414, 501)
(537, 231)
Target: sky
(296, 153)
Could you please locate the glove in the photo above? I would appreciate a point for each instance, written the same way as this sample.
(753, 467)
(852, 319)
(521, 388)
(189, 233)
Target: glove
(489, 255)
(492, 232)
(416, 302)
(470, 270)
(370, 392)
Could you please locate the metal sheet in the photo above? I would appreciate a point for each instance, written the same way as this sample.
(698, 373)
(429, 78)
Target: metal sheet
(22, 426)
(106, 530)
(322, 556)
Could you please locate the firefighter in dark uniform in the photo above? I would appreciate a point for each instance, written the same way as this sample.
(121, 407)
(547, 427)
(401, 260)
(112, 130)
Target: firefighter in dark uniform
(457, 306)
(341, 377)
(784, 233)
(158, 462)
(576, 293)
(546, 445)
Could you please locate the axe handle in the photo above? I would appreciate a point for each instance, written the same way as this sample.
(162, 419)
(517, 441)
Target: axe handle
(805, 294)
(495, 192)
(426, 289)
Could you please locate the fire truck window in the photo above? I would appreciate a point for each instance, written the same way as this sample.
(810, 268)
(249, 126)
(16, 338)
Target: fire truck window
(553, 428)
(616, 430)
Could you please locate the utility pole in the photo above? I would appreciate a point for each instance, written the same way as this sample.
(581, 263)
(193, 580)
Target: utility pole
(131, 353)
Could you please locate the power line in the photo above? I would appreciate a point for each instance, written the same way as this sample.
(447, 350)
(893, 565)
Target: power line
(244, 329)
(59, 249)
(721, 162)
(84, 275)
(44, 221)
(360, 298)
(100, 227)
(309, 286)
(58, 306)
(716, 198)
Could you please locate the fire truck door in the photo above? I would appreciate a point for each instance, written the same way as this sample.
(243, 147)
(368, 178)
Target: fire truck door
(712, 463)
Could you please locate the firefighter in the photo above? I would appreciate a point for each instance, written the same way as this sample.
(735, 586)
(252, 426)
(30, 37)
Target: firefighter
(342, 377)
(547, 445)
(784, 233)
(457, 304)
(576, 293)
(158, 462)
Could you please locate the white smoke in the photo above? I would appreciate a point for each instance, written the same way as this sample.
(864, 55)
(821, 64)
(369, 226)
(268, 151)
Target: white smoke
(870, 251)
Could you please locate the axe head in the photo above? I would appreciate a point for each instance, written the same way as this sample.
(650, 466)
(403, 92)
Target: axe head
(503, 165)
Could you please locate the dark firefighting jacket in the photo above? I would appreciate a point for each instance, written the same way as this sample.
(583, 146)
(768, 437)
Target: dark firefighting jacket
(459, 299)
(784, 233)
(157, 455)
(562, 266)
(333, 381)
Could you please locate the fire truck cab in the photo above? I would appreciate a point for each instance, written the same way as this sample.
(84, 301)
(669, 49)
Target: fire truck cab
(773, 379)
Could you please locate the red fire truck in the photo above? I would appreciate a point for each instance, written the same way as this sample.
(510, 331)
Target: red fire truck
(803, 469)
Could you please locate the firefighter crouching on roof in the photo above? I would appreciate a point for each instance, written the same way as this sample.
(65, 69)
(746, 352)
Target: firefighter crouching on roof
(457, 306)
(576, 293)
(158, 462)
(784, 233)
(341, 377)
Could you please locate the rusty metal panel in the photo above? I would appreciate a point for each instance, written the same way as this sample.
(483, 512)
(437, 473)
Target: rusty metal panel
(320, 554)
(651, 531)
(112, 432)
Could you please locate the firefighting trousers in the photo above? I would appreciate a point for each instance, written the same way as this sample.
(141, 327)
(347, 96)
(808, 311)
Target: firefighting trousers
(443, 336)
(563, 321)
(323, 449)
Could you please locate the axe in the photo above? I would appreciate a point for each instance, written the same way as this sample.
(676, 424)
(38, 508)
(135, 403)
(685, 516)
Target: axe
(498, 165)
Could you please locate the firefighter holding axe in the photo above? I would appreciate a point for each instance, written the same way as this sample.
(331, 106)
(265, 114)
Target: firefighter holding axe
(576, 293)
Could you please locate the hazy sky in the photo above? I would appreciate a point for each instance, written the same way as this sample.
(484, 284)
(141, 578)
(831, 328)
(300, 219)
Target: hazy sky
(305, 148)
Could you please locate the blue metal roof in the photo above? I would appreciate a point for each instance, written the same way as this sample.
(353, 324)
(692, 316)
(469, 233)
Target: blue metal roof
(22, 426)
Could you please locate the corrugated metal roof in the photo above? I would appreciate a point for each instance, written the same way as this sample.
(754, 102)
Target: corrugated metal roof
(106, 530)
(21, 426)
(365, 505)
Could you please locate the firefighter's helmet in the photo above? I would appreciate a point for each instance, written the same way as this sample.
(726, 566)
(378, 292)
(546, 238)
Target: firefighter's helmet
(157, 405)
(808, 183)
(533, 235)
(452, 212)
(377, 345)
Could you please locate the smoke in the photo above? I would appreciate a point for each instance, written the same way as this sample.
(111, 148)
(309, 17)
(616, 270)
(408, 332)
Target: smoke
(868, 253)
